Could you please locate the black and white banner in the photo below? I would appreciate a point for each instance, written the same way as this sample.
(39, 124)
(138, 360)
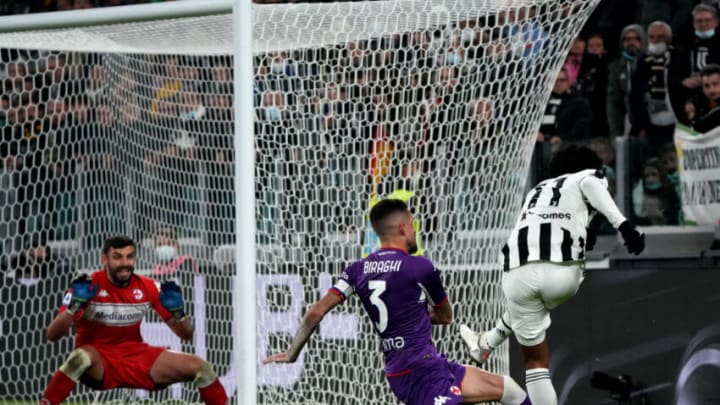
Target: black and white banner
(699, 167)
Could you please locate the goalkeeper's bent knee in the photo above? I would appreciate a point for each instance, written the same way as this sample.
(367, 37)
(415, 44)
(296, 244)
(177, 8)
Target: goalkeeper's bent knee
(205, 375)
(76, 364)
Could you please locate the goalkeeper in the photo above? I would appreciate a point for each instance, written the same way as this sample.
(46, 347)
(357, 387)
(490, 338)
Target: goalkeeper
(107, 308)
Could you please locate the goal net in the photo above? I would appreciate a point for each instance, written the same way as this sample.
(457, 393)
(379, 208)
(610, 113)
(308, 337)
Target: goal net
(129, 128)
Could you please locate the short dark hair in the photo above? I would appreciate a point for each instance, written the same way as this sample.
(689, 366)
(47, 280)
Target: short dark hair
(572, 159)
(117, 242)
(710, 69)
(382, 210)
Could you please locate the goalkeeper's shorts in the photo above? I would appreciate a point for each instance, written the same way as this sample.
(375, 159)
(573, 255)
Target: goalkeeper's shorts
(431, 381)
(126, 365)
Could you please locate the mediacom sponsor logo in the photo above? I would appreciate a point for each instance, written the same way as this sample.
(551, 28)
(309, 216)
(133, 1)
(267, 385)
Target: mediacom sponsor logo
(116, 316)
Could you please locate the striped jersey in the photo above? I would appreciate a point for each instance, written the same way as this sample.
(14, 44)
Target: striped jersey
(554, 217)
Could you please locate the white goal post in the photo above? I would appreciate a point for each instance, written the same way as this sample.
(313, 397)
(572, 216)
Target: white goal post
(261, 134)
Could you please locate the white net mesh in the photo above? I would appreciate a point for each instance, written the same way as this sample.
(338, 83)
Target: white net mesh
(128, 129)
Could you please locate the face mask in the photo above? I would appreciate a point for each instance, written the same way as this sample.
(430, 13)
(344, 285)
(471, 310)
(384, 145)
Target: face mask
(452, 58)
(165, 252)
(629, 56)
(654, 186)
(705, 34)
(657, 49)
(468, 34)
(273, 113)
(277, 68)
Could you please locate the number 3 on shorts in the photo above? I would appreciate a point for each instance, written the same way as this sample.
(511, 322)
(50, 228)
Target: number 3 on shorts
(378, 287)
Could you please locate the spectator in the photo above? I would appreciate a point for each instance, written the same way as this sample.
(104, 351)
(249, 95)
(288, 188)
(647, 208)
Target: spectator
(169, 263)
(655, 201)
(702, 49)
(97, 87)
(592, 83)
(604, 150)
(602, 147)
(574, 61)
(525, 35)
(567, 116)
(63, 5)
(668, 156)
(274, 109)
(82, 4)
(37, 262)
(621, 71)
(654, 90)
(689, 110)
(674, 12)
(706, 112)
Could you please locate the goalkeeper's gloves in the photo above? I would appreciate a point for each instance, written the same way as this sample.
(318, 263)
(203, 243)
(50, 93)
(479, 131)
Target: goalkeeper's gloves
(590, 239)
(634, 240)
(171, 299)
(83, 290)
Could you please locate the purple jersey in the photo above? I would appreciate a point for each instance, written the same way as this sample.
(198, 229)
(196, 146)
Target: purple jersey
(395, 289)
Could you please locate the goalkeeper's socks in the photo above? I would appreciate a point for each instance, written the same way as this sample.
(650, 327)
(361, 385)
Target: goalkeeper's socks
(214, 394)
(539, 387)
(59, 388)
(495, 336)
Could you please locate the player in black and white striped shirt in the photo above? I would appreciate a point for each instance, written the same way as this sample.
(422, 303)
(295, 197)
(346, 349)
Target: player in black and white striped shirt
(544, 259)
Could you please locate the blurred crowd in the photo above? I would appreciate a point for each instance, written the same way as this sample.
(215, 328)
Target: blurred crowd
(665, 72)
(39, 6)
(10, 7)
(393, 104)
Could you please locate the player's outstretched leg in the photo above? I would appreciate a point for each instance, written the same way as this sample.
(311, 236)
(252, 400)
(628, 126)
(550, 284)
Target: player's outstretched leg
(481, 386)
(63, 381)
(481, 344)
(171, 367)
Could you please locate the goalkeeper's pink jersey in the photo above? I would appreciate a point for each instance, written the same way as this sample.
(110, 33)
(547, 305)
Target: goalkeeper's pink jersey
(114, 315)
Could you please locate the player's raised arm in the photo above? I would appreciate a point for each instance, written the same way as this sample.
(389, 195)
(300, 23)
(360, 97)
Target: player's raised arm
(171, 300)
(597, 194)
(81, 292)
(307, 326)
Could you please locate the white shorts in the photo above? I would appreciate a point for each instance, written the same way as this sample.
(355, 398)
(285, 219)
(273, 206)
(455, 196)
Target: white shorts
(531, 291)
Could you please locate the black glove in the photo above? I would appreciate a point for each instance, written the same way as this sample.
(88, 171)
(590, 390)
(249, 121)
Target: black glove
(590, 239)
(634, 240)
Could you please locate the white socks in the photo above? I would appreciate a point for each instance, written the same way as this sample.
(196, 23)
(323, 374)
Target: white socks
(512, 393)
(494, 337)
(539, 387)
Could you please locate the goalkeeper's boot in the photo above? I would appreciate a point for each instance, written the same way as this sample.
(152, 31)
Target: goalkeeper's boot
(478, 352)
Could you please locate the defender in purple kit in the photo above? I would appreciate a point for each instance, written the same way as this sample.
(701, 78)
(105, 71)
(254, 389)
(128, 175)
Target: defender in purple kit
(403, 295)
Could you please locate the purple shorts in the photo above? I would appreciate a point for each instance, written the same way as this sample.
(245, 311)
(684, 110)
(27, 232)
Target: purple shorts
(429, 382)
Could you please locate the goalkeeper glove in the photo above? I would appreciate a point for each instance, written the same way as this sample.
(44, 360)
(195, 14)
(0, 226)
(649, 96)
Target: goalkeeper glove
(83, 290)
(171, 299)
(634, 240)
